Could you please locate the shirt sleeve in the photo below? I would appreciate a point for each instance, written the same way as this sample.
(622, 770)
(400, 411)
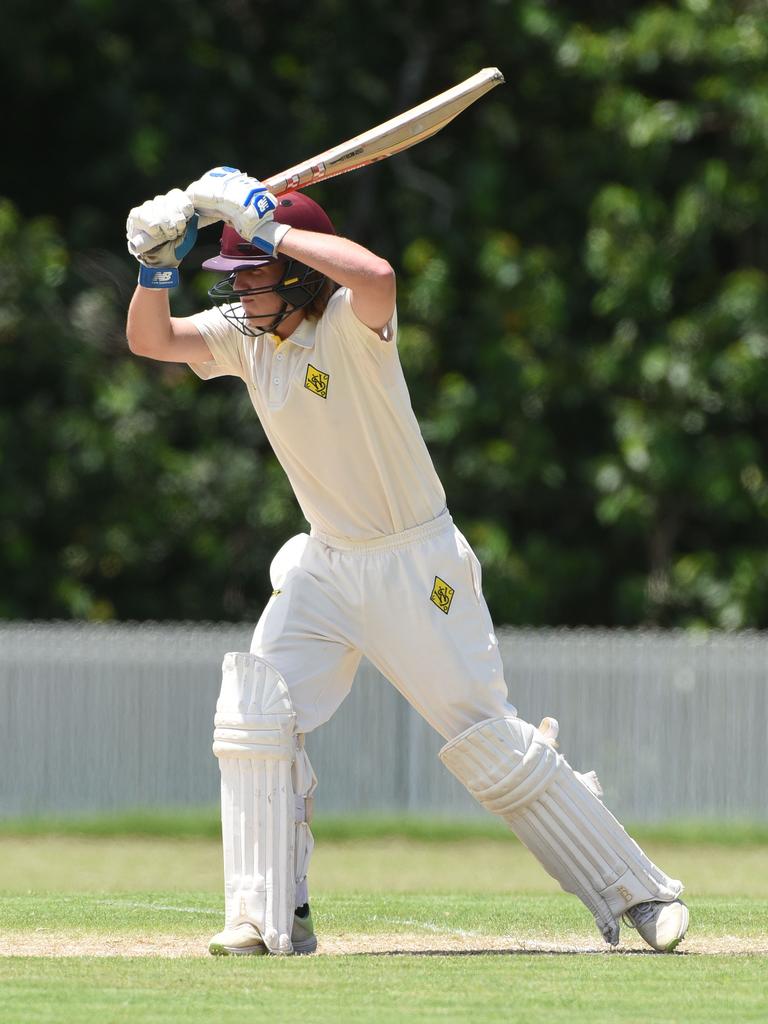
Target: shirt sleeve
(341, 317)
(227, 345)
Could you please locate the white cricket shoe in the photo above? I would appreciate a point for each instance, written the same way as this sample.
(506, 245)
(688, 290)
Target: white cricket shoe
(245, 940)
(240, 940)
(662, 925)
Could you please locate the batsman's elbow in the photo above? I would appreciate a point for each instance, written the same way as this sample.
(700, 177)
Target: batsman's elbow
(135, 344)
(380, 281)
(142, 345)
(382, 272)
(373, 297)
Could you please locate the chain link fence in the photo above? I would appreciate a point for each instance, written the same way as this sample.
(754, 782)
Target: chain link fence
(108, 717)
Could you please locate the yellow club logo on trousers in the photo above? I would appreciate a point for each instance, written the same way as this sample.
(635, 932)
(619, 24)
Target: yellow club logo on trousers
(442, 595)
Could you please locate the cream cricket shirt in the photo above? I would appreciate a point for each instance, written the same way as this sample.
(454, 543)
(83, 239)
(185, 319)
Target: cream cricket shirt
(334, 405)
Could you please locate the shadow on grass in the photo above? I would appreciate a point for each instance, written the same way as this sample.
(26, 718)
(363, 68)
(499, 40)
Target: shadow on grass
(575, 951)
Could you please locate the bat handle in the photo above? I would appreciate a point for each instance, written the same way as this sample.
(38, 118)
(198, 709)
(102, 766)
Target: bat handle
(141, 242)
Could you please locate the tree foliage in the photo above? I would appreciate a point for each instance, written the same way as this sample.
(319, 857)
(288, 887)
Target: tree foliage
(583, 292)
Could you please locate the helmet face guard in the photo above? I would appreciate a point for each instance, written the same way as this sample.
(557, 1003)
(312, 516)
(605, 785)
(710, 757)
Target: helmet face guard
(298, 286)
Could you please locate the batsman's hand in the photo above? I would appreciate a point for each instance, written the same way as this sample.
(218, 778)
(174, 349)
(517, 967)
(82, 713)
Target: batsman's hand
(245, 203)
(161, 231)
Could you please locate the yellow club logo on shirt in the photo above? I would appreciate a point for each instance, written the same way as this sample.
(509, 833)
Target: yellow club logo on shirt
(442, 595)
(316, 381)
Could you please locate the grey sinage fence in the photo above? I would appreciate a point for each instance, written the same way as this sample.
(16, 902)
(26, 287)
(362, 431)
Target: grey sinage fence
(104, 717)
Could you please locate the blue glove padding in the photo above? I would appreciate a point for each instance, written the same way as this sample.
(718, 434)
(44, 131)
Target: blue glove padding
(159, 266)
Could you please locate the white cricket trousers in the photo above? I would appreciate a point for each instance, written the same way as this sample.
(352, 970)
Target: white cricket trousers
(412, 603)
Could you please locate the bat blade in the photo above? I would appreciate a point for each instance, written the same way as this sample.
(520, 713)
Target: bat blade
(393, 136)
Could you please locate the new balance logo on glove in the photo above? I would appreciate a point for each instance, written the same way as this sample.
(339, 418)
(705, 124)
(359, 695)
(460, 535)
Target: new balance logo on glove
(264, 204)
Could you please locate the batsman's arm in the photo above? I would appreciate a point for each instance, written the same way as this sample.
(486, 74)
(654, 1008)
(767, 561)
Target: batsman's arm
(227, 194)
(154, 333)
(370, 279)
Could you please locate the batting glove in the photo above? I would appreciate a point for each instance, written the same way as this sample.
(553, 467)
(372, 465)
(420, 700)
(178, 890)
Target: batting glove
(160, 233)
(245, 203)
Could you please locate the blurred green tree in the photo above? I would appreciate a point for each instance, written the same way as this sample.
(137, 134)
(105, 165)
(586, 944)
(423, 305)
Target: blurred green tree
(582, 261)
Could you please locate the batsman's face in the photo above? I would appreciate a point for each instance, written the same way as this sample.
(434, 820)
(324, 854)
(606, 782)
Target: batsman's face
(254, 287)
(248, 300)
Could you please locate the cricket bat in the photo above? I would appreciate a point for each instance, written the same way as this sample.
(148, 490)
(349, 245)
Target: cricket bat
(391, 137)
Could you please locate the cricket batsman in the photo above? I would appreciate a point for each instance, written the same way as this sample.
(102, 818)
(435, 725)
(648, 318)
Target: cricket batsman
(307, 320)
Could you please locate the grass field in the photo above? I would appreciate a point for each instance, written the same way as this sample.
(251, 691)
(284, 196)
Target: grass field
(113, 928)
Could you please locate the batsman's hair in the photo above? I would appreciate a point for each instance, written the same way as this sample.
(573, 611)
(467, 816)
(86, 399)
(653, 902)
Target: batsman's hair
(316, 308)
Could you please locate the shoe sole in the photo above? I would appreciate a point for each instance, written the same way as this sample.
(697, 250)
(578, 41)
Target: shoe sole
(303, 948)
(684, 928)
(216, 949)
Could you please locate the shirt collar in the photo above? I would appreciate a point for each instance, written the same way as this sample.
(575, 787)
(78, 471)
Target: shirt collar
(304, 335)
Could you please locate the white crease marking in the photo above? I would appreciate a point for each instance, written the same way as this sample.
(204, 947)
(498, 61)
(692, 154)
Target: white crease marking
(439, 929)
(138, 905)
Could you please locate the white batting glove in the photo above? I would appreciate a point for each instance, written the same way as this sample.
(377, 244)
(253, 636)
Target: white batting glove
(159, 220)
(160, 233)
(245, 203)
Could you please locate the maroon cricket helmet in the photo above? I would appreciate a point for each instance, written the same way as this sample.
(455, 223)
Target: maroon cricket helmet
(293, 208)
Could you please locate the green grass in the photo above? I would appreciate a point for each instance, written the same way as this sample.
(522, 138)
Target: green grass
(567, 989)
(554, 918)
(423, 986)
(465, 908)
(135, 863)
(203, 823)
